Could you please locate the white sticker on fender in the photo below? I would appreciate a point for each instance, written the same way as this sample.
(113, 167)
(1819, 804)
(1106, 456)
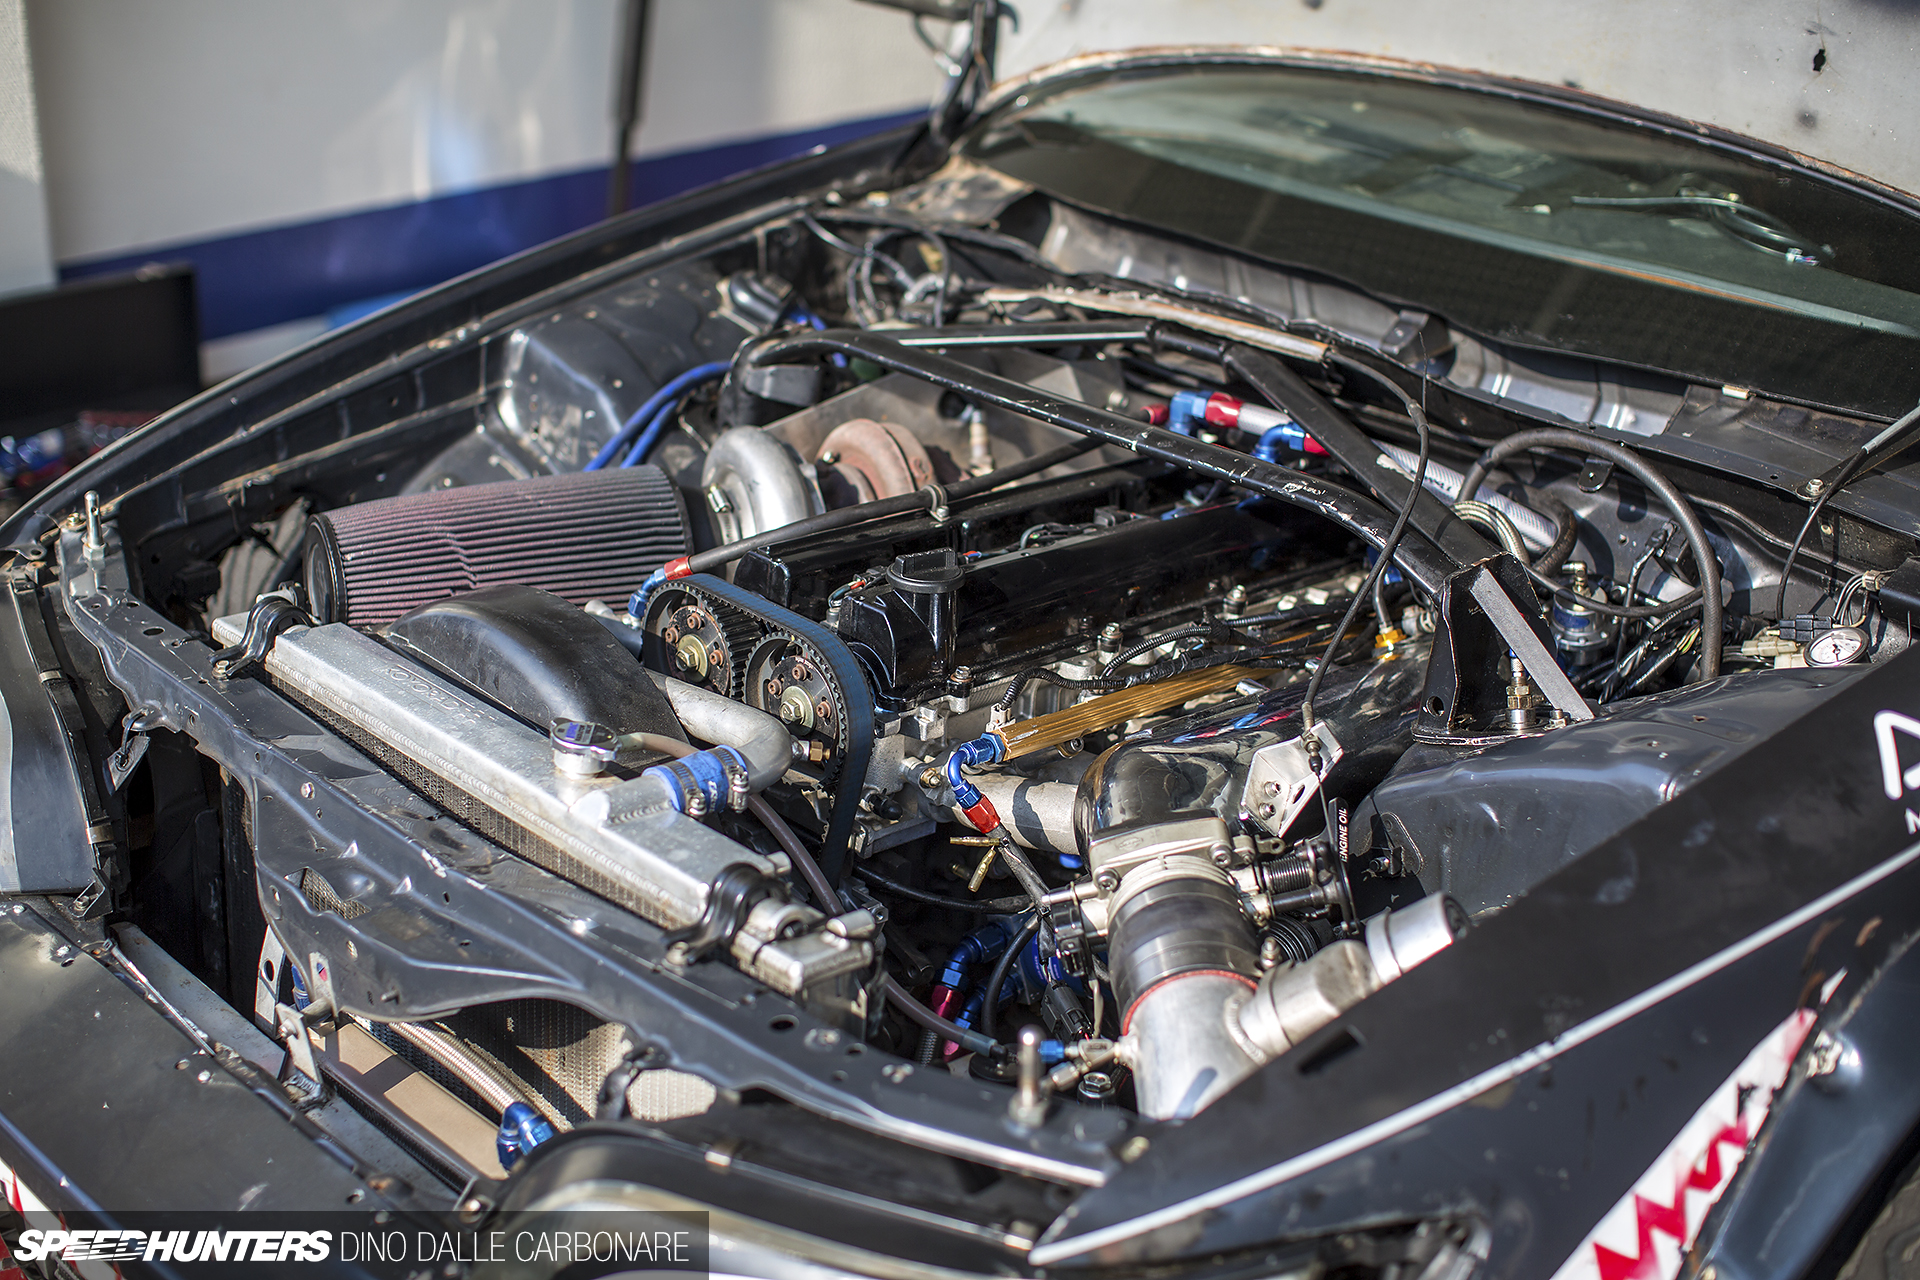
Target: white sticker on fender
(1646, 1234)
(18, 1195)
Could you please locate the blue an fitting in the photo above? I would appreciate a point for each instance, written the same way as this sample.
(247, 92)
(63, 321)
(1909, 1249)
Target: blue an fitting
(975, 947)
(1392, 577)
(637, 603)
(704, 773)
(1051, 1051)
(521, 1130)
(1287, 435)
(984, 749)
(1185, 409)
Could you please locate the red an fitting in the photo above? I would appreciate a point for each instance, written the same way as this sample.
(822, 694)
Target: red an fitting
(982, 815)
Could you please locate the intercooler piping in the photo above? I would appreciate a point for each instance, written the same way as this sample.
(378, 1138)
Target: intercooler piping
(1037, 813)
(1195, 1019)
(1181, 953)
(751, 750)
(762, 741)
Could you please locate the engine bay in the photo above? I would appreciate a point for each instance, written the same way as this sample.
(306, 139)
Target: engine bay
(856, 668)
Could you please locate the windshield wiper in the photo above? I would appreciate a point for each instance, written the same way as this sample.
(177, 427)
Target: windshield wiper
(1742, 221)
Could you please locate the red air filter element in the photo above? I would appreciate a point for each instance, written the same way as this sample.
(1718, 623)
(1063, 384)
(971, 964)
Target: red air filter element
(589, 535)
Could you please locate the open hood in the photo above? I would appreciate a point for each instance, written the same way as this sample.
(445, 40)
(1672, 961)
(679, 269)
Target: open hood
(1833, 84)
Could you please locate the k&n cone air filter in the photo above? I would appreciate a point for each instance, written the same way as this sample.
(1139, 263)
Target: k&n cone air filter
(583, 536)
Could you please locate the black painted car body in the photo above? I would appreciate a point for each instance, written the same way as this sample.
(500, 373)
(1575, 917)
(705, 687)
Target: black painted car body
(273, 844)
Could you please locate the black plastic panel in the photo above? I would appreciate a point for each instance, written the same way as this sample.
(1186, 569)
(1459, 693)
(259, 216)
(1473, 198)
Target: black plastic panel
(538, 657)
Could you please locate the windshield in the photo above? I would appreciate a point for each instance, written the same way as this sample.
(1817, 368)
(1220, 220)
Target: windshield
(1516, 219)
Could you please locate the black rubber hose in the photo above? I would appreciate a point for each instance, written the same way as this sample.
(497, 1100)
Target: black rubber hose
(1631, 613)
(1362, 516)
(1712, 619)
(803, 861)
(1845, 475)
(1020, 682)
(1549, 561)
(901, 998)
(990, 1007)
(983, 906)
(927, 1019)
(1658, 666)
(715, 557)
(1198, 630)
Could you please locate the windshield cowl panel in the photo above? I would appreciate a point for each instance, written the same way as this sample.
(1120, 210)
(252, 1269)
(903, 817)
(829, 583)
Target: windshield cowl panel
(1520, 221)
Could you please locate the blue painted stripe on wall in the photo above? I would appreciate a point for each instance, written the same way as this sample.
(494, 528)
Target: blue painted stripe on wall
(262, 278)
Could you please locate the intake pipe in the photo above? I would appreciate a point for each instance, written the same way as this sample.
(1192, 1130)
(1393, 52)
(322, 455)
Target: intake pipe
(1196, 1021)
(1037, 813)
(1182, 954)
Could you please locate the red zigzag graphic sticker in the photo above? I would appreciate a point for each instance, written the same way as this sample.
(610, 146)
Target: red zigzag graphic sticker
(1647, 1232)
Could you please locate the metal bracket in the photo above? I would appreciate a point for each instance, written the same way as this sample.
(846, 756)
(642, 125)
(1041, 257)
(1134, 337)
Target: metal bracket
(301, 1075)
(1483, 622)
(1594, 476)
(729, 898)
(1529, 648)
(1281, 781)
(1415, 338)
(272, 614)
(133, 745)
(91, 901)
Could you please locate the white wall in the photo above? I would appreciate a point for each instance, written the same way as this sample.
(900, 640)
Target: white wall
(1745, 65)
(173, 120)
(25, 259)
